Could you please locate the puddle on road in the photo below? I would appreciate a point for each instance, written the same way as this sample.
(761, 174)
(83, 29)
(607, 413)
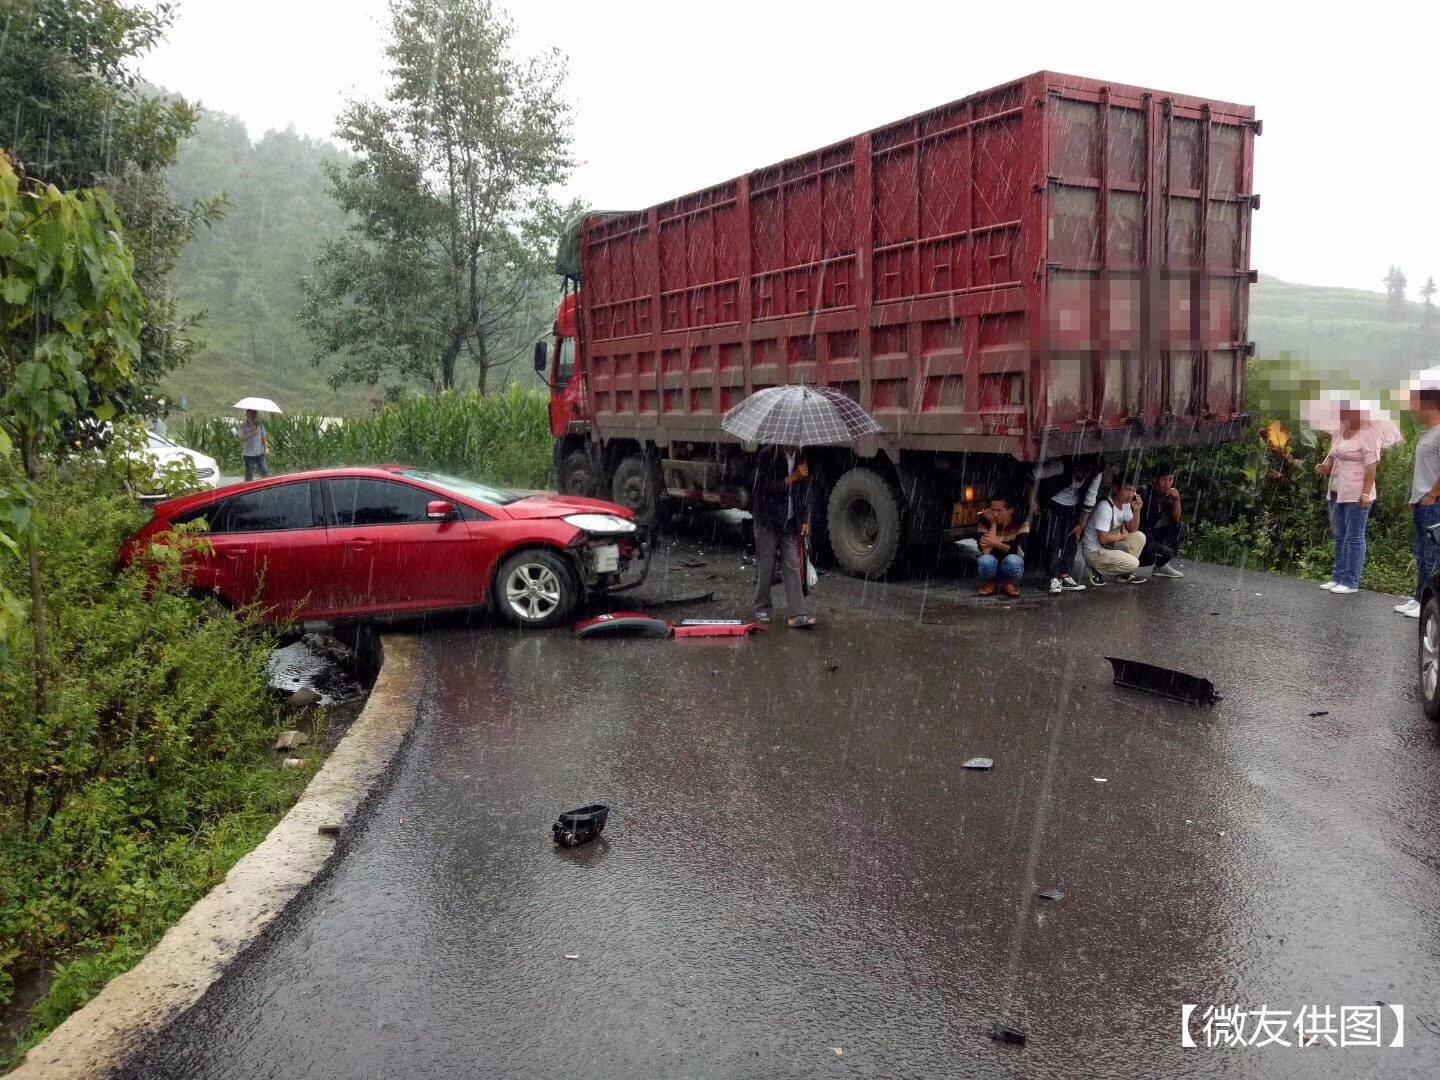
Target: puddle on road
(317, 663)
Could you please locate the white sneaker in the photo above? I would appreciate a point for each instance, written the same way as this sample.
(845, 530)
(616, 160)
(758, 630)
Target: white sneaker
(1166, 571)
(1055, 588)
(1329, 585)
(1410, 607)
(1413, 613)
(1343, 590)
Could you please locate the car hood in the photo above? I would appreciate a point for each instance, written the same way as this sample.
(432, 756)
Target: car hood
(555, 506)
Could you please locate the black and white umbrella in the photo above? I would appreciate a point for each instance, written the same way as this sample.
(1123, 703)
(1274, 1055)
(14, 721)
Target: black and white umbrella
(800, 416)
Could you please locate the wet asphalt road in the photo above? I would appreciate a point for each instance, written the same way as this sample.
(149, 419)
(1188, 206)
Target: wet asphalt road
(800, 880)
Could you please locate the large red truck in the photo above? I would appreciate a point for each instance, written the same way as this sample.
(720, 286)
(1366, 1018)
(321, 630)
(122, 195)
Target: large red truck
(1053, 267)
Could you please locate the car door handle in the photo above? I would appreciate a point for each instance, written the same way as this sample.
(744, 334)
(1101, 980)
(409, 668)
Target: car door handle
(235, 553)
(358, 545)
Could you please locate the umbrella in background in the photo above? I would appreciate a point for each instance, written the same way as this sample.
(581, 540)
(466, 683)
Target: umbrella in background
(1324, 415)
(259, 404)
(800, 416)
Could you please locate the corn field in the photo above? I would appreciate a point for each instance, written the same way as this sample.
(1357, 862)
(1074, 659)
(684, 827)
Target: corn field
(501, 439)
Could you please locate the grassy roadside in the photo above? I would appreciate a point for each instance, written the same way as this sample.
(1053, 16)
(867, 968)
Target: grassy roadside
(147, 778)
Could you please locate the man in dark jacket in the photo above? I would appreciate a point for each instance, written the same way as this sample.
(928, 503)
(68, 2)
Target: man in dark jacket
(780, 505)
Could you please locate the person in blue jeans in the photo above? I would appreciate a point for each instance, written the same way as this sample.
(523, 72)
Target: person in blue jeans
(1002, 555)
(1424, 492)
(255, 445)
(1351, 464)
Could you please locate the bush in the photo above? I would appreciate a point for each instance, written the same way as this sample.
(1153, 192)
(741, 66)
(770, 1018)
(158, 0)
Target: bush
(149, 773)
(500, 438)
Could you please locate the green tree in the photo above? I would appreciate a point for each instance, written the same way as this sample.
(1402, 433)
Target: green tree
(1395, 292)
(69, 339)
(77, 114)
(453, 220)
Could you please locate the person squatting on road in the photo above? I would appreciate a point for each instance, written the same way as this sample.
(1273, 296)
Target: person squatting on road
(1424, 492)
(1067, 512)
(1163, 524)
(255, 445)
(1113, 541)
(1351, 464)
(1002, 552)
(780, 505)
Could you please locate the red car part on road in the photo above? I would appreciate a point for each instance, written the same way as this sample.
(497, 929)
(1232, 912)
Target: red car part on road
(363, 542)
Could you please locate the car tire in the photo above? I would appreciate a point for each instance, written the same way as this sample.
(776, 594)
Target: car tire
(866, 523)
(576, 474)
(636, 486)
(536, 589)
(1430, 657)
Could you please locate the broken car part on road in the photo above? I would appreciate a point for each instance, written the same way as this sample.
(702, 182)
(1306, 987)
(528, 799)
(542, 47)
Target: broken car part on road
(1163, 682)
(642, 625)
(576, 827)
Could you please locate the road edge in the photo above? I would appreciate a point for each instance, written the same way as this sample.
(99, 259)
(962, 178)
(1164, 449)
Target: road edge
(223, 923)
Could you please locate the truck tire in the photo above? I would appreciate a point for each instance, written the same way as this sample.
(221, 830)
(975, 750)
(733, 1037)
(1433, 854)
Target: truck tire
(866, 523)
(636, 486)
(576, 474)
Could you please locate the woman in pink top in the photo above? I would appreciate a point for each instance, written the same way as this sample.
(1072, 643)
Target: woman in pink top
(1350, 465)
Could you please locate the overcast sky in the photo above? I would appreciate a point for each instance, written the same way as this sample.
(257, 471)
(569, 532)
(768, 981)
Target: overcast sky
(673, 95)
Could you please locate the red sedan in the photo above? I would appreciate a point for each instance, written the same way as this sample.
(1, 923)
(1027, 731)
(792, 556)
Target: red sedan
(354, 543)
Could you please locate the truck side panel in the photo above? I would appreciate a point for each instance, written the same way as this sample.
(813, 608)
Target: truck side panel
(1003, 273)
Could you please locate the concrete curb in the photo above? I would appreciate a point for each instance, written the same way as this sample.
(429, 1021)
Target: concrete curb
(195, 952)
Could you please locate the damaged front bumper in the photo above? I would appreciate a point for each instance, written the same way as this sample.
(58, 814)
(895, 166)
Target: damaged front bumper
(611, 564)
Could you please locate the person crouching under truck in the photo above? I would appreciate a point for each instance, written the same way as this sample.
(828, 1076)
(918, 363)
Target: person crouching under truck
(780, 505)
(1002, 541)
(1113, 540)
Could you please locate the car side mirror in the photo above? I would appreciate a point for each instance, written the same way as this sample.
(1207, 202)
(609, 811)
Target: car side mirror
(542, 357)
(439, 510)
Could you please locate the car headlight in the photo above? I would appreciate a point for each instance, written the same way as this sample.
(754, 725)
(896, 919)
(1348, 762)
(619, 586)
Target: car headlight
(601, 524)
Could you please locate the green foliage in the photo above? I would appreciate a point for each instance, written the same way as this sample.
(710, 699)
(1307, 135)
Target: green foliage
(452, 225)
(499, 438)
(150, 773)
(79, 116)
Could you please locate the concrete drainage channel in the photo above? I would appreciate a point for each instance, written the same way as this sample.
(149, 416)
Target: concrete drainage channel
(198, 949)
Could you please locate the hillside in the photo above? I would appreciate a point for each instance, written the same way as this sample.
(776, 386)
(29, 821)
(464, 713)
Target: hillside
(244, 274)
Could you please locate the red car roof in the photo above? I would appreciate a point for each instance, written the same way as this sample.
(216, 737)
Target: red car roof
(171, 507)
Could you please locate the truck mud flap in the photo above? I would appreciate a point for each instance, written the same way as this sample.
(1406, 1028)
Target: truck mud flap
(1163, 682)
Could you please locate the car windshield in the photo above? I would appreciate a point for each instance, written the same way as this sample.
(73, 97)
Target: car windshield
(158, 441)
(467, 489)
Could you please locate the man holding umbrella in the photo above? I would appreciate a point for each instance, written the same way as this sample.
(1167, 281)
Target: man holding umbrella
(254, 439)
(781, 419)
(780, 505)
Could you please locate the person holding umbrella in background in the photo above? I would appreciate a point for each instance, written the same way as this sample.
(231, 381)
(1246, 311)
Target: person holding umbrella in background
(782, 419)
(254, 439)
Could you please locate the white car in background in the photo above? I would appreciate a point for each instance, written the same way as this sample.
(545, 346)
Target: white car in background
(159, 452)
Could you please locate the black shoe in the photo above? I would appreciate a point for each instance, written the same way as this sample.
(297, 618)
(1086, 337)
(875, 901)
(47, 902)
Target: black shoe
(1096, 578)
(1130, 579)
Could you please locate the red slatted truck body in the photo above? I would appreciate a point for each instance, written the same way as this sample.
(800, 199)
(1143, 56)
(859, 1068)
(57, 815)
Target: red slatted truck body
(1052, 267)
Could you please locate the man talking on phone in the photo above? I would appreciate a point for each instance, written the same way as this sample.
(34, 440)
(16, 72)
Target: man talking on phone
(1113, 540)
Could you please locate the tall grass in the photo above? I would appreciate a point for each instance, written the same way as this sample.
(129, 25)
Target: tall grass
(502, 438)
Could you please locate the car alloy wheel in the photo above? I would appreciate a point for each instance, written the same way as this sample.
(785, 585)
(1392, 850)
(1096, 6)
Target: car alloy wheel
(1430, 658)
(533, 591)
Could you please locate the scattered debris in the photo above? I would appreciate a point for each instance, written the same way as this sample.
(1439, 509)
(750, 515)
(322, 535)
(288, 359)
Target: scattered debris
(832, 665)
(292, 763)
(1007, 1031)
(691, 564)
(684, 598)
(839, 1051)
(291, 740)
(642, 625)
(1163, 682)
(575, 827)
(572, 956)
(1052, 894)
(300, 699)
(980, 763)
(1100, 779)
(329, 830)
(1320, 712)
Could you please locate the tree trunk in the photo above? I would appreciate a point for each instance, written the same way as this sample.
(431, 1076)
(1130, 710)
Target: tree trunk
(30, 459)
(482, 359)
(447, 365)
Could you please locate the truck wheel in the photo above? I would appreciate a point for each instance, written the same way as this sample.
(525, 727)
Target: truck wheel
(1430, 657)
(866, 523)
(577, 475)
(536, 589)
(637, 488)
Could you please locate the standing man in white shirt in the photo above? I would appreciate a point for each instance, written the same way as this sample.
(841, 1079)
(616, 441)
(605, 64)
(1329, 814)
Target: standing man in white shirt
(1424, 491)
(1067, 512)
(1113, 540)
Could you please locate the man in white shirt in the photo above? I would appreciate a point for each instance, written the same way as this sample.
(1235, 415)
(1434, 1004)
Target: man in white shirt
(1424, 491)
(1113, 540)
(1067, 512)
